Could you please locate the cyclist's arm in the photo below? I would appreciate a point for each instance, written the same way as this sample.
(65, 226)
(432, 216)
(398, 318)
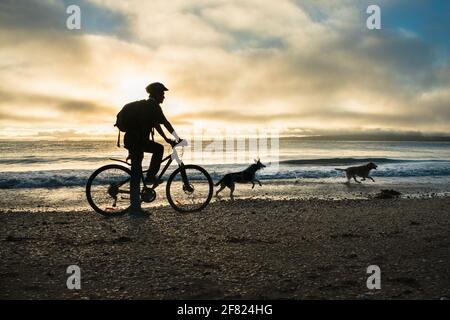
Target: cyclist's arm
(169, 128)
(161, 132)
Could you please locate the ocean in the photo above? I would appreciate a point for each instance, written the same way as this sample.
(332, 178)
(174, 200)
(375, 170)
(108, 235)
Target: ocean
(50, 176)
(53, 164)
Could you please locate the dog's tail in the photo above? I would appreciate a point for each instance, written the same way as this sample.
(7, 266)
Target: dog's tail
(338, 169)
(216, 184)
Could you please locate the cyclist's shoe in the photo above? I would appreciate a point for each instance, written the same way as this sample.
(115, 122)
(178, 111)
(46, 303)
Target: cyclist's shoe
(138, 213)
(153, 180)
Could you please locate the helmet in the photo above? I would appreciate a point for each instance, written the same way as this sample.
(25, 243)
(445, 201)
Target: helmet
(155, 87)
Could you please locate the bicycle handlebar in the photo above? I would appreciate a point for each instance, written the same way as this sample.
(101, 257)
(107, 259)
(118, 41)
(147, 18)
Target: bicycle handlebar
(182, 143)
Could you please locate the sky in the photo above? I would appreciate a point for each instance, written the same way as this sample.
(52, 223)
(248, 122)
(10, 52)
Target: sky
(307, 67)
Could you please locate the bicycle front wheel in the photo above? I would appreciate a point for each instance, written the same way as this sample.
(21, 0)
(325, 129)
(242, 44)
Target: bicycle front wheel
(108, 190)
(190, 193)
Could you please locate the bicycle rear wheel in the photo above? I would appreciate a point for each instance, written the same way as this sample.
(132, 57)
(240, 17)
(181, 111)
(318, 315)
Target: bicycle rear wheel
(194, 197)
(108, 190)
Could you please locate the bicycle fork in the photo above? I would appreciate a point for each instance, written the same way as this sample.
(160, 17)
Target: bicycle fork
(186, 185)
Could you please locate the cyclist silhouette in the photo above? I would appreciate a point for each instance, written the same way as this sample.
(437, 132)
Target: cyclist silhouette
(137, 141)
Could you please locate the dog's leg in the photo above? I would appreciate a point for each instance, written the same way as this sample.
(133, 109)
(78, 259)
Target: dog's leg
(354, 177)
(231, 192)
(259, 182)
(221, 188)
(253, 184)
(363, 179)
(349, 177)
(371, 179)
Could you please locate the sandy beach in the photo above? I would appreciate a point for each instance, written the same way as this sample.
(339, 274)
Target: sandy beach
(246, 249)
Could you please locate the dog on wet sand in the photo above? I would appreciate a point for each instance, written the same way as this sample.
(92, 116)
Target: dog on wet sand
(360, 171)
(246, 176)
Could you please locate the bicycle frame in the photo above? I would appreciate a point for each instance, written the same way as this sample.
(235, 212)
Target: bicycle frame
(169, 159)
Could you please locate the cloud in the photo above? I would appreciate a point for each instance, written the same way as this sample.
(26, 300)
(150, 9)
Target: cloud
(6, 116)
(62, 134)
(44, 109)
(310, 64)
(32, 15)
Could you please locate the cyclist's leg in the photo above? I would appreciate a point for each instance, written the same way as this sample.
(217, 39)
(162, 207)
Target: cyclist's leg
(136, 155)
(135, 181)
(157, 151)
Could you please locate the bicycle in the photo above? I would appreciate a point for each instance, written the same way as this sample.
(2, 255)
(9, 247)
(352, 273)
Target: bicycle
(189, 188)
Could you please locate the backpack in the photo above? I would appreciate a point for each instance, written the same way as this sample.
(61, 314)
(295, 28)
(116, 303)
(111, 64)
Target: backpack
(128, 118)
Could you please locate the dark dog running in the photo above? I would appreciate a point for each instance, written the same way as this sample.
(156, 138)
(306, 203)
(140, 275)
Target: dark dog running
(360, 171)
(246, 176)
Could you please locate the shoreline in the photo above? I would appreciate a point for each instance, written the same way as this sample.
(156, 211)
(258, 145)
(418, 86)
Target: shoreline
(69, 199)
(247, 249)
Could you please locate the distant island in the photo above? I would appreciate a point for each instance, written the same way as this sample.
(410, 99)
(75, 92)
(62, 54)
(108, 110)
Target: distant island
(373, 137)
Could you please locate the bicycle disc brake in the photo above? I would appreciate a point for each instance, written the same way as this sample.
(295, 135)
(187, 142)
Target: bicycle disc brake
(148, 195)
(113, 190)
(188, 189)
